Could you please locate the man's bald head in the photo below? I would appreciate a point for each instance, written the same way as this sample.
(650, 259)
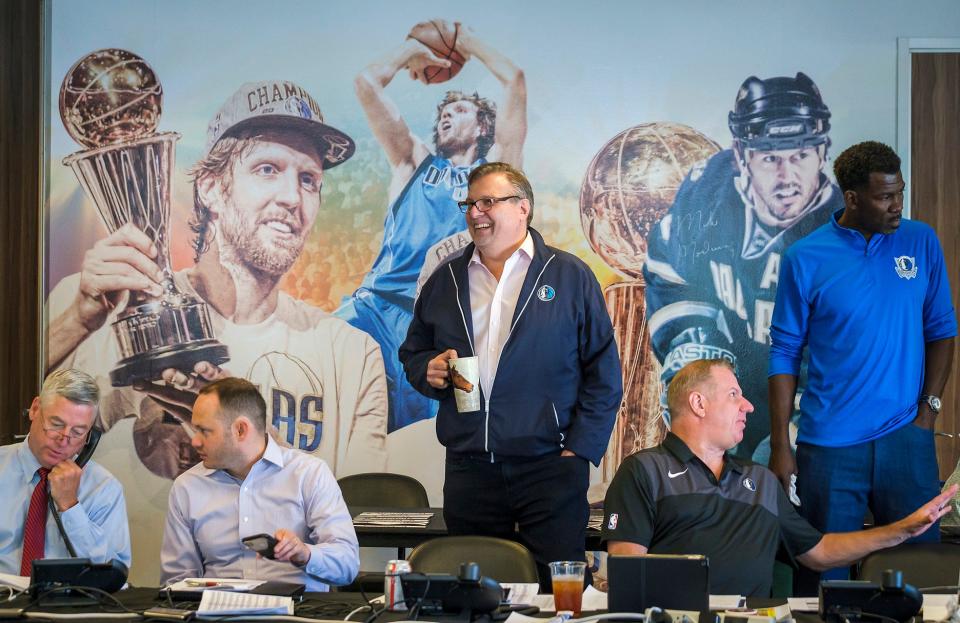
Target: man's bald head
(695, 376)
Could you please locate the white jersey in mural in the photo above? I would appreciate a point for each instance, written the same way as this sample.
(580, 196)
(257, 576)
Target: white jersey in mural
(321, 378)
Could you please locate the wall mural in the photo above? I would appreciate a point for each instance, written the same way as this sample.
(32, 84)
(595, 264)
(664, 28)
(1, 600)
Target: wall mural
(271, 208)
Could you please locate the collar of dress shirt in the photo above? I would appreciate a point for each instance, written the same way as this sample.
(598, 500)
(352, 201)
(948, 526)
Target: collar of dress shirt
(27, 461)
(272, 454)
(526, 246)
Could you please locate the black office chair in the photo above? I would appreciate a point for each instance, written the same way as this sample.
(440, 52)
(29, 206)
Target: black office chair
(500, 559)
(382, 489)
(924, 565)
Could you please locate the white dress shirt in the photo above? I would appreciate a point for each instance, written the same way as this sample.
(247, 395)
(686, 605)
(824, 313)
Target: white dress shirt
(96, 524)
(210, 511)
(492, 304)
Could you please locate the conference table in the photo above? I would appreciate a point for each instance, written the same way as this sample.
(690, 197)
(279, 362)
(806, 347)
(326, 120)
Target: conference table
(398, 536)
(332, 606)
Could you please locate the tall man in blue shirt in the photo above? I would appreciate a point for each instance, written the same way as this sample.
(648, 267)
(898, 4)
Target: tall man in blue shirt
(868, 295)
(248, 485)
(89, 500)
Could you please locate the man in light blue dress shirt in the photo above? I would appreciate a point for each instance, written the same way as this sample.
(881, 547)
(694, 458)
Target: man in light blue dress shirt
(89, 500)
(248, 485)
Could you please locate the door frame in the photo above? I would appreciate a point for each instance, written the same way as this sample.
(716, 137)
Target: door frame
(906, 48)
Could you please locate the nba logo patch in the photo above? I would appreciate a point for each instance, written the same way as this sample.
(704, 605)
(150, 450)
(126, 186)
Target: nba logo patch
(546, 293)
(749, 484)
(612, 522)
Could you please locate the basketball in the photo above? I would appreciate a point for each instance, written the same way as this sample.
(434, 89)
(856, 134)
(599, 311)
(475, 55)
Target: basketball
(630, 185)
(441, 37)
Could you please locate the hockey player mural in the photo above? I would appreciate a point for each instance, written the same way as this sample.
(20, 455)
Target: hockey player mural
(713, 259)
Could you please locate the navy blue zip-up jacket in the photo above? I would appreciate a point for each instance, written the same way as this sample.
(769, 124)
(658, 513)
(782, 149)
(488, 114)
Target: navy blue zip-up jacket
(558, 381)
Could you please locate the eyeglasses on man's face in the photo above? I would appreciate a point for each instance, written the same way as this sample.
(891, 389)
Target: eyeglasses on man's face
(57, 430)
(484, 203)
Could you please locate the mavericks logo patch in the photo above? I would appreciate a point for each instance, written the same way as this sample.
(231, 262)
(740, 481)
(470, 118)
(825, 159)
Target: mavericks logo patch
(906, 266)
(546, 293)
(749, 484)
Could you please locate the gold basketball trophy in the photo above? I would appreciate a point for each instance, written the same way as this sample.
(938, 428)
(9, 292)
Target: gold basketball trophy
(629, 186)
(110, 103)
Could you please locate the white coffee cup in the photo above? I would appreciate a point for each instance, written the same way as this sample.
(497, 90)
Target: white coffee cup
(468, 371)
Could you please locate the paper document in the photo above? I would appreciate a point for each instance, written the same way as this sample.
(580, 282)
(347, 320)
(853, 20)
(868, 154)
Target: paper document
(220, 584)
(394, 520)
(937, 607)
(18, 582)
(726, 602)
(804, 604)
(521, 592)
(592, 600)
(220, 603)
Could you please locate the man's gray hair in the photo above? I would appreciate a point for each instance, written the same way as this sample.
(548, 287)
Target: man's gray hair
(76, 386)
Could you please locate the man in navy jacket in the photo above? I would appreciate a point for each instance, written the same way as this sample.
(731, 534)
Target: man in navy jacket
(549, 374)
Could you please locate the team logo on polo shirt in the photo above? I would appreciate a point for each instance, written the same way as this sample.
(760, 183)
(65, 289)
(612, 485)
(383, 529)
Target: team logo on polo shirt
(612, 522)
(749, 484)
(906, 266)
(546, 293)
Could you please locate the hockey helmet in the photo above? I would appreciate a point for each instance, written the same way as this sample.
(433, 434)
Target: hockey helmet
(779, 113)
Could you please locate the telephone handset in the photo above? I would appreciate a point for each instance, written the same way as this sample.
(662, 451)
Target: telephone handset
(87, 450)
(82, 457)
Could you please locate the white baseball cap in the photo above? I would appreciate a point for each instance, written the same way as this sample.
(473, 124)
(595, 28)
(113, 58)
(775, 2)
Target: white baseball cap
(279, 104)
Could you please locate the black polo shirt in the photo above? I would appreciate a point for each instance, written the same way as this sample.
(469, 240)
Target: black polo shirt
(667, 499)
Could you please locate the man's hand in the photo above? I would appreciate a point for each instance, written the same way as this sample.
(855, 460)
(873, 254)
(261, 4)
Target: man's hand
(920, 520)
(782, 464)
(438, 369)
(179, 390)
(290, 548)
(926, 418)
(123, 261)
(419, 57)
(64, 481)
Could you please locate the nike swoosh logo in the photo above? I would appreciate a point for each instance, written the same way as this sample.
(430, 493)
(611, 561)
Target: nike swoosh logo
(672, 475)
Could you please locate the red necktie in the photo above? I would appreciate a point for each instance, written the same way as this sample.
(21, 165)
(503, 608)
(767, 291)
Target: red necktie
(36, 526)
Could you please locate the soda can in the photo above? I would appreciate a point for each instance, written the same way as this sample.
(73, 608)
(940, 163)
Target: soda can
(392, 588)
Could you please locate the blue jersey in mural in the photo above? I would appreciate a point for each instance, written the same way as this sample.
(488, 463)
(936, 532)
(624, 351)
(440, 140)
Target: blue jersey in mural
(424, 213)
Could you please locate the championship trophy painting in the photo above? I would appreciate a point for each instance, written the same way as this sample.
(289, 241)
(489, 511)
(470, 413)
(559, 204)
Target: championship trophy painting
(628, 187)
(152, 335)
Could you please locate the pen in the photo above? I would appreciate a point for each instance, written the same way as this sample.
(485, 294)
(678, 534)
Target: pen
(208, 584)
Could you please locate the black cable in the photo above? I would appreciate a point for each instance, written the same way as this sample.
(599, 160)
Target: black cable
(101, 597)
(947, 587)
(56, 517)
(415, 610)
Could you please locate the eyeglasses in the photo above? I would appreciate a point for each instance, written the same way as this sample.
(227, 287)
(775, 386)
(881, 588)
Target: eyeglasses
(58, 430)
(484, 203)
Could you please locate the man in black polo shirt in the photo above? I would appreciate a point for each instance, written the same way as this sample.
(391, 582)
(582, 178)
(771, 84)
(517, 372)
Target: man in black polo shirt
(688, 496)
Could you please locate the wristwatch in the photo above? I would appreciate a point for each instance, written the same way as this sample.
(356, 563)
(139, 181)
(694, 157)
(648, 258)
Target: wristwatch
(933, 402)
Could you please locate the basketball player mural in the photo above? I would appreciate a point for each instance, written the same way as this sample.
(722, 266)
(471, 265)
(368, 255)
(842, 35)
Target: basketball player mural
(713, 260)
(427, 181)
(257, 192)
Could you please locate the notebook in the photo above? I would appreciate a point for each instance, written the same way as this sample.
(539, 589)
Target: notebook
(193, 589)
(640, 582)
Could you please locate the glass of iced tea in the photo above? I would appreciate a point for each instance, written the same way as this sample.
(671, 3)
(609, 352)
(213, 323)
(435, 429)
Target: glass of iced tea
(567, 576)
